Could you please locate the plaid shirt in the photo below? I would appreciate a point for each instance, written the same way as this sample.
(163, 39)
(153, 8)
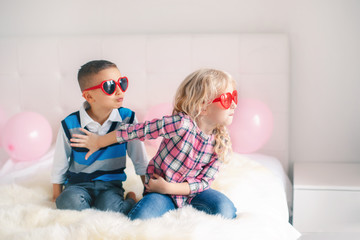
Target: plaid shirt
(186, 154)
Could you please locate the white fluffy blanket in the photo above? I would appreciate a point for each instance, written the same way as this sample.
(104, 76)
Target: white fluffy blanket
(26, 211)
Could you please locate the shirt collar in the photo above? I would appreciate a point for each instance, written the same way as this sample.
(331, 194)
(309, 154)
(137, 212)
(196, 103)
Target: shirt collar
(85, 119)
(199, 131)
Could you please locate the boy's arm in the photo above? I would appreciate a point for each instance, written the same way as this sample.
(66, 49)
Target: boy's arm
(142, 177)
(138, 155)
(60, 163)
(57, 189)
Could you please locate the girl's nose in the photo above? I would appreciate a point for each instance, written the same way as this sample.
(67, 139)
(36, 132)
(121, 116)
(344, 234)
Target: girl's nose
(233, 105)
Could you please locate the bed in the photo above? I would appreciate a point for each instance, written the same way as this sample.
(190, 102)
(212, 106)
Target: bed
(258, 191)
(257, 183)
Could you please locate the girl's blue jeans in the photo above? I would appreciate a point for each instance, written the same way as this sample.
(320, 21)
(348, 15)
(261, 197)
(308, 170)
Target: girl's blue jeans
(210, 201)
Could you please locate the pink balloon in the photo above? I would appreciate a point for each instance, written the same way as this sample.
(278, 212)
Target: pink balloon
(3, 118)
(26, 136)
(251, 127)
(157, 111)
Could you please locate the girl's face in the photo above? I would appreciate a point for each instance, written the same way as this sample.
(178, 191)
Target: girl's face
(217, 114)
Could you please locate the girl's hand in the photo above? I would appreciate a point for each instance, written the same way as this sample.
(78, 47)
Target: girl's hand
(89, 141)
(157, 184)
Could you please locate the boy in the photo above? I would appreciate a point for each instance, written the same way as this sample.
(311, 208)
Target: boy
(96, 182)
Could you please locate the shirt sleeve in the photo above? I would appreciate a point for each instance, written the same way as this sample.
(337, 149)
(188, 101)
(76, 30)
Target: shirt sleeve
(203, 181)
(167, 127)
(137, 153)
(61, 158)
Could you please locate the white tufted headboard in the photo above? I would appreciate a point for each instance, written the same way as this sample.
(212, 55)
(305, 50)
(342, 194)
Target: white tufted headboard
(39, 74)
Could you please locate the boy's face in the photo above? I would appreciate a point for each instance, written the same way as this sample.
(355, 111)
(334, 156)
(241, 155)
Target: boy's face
(98, 97)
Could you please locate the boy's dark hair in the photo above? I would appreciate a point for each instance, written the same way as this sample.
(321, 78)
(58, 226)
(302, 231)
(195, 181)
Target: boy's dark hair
(90, 68)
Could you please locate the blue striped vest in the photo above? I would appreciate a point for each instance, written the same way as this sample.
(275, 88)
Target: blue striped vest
(106, 164)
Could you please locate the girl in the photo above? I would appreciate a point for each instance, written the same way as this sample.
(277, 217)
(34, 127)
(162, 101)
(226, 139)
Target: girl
(195, 144)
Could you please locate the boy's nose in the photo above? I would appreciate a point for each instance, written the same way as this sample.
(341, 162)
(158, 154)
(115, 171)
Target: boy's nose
(233, 105)
(117, 90)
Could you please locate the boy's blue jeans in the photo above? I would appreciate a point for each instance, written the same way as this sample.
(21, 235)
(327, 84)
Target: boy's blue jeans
(210, 201)
(106, 196)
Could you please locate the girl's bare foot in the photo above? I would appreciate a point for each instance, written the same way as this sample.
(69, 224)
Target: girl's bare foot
(131, 195)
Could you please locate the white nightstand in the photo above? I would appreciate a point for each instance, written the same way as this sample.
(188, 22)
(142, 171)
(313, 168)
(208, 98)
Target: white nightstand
(327, 198)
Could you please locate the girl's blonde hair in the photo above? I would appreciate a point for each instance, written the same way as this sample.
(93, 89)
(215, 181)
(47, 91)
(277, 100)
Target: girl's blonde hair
(196, 92)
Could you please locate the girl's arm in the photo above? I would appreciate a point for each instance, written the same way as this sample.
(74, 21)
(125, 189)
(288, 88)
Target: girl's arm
(166, 127)
(206, 176)
(92, 141)
(192, 185)
(159, 185)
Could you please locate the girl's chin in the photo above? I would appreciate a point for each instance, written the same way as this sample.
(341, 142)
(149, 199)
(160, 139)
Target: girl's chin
(228, 122)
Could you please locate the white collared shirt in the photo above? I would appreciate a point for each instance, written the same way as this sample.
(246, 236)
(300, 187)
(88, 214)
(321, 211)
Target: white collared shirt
(135, 149)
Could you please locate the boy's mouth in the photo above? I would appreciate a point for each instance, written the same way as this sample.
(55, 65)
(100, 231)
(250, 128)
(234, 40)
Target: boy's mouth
(119, 99)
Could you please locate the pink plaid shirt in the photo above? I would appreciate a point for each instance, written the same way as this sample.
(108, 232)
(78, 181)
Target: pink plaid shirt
(186, 154)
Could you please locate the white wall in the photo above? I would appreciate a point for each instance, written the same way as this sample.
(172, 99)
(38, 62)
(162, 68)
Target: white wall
(325, 38)
(325, 50)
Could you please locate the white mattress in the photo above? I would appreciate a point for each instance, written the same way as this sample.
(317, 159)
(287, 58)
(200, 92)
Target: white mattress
(258, 192)
(274, 165)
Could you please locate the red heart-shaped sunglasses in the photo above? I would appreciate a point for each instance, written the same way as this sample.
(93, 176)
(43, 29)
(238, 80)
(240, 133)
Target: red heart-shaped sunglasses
(109, 86)
(226, 98)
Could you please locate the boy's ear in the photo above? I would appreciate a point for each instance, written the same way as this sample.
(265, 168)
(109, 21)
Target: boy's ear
(88, 97)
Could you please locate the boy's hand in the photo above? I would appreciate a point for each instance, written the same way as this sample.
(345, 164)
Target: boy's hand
(157, 184)
(57, 189)
(89, 141)
(55, 196)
